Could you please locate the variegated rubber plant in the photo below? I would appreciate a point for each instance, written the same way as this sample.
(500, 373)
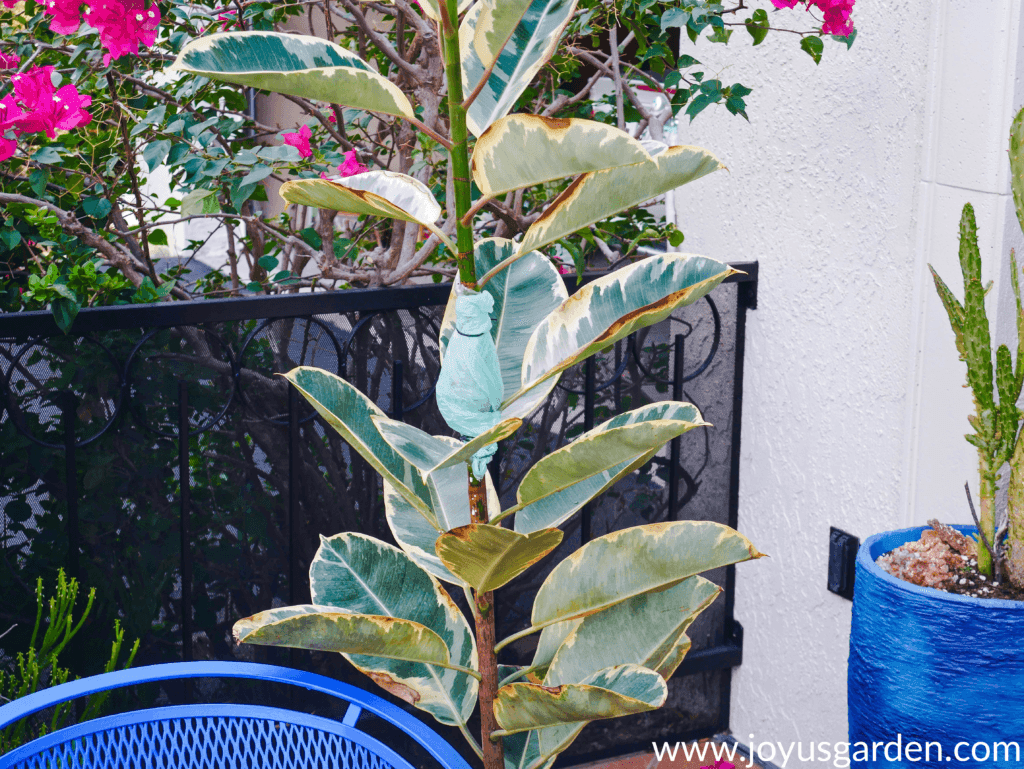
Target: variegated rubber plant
(383, 607)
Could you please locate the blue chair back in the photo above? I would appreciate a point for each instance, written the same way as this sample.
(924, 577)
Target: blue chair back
(219, 736)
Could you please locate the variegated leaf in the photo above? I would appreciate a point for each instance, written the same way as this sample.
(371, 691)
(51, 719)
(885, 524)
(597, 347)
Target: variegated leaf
(418, 537)
(504, 429)
(516, 39)
(647, 630)
(524, 150)
(562, 482)
(416, 446)
(600, 194)
(377, 193)
(297, 65)
(618, 691)
(522, 751)
(487, 557)
(551, 639)
(432, 11)
(328, 629)
(634, 561)
(351, 413)
(611, 308)
(360, 574)
(524, 294)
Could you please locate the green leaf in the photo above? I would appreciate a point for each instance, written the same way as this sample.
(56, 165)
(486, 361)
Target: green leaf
(516, 38)
(97, 208)
(364, 576)
(562, 482)
(600, 194)
(524, 150)
(612, 307)
(848, 39)
(199, 202)
(954, 310)
(377, 193)
(257, 174)
(618, 691)
(10, 238)
(757, 25)
(156, 153)
(297, 65)
(157, 238)
(551, 639)
(350, 413)
(487, 557)
(813, 46)
(268, 263)
(38, 179)
(631, 562)
(674, 17)
(524, 292)
(320, 628)
(49, 154)
(64, 311)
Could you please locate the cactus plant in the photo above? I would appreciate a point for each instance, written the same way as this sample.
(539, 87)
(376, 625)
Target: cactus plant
(996, 419)
(612, 617)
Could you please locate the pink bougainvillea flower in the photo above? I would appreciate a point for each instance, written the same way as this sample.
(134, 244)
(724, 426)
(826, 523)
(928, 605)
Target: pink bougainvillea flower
(9, 62)
(350, 167)
(300, 141)
(10, 3)
(66, 16)
(836, 14)
(33, 86)
(62, 111)
(10, 112)
(123, 25)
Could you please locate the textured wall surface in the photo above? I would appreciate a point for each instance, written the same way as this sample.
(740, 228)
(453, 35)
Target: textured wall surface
(847, 182)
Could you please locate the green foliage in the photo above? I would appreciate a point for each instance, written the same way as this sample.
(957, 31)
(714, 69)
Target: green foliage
(39, 667)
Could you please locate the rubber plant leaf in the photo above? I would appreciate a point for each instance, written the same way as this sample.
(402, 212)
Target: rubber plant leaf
(327, 629)
(351, 413)
(297, 65)
(487, 557)
(507, 42)
(655, 625)
(524, 150)
(376, 193)
(635, 561)
(611, 308)
(525, 293)
(600, 194)
(362, 575)
(432, 11)
(617, 691)
(415, 534)
(562, 482)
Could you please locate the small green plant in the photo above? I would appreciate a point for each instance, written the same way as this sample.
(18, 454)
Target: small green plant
(610, 620)
(39, 667)
(996, 419)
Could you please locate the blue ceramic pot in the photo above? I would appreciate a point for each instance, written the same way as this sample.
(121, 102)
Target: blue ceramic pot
(931, 667)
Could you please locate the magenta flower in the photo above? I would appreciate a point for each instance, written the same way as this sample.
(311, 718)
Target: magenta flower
(123, 25)
(66, 16)
(836, 12)
(300, 141)
(41, 108)
(9, 62)
(350, 167)
(10, 113)
(10, 3)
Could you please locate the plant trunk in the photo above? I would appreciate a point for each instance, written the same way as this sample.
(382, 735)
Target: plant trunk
(1015, 518)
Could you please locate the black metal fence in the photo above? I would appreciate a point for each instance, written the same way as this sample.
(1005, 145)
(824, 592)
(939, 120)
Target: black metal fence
(154, 454)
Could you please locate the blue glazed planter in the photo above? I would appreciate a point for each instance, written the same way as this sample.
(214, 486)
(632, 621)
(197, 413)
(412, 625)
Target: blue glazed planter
(927, 666)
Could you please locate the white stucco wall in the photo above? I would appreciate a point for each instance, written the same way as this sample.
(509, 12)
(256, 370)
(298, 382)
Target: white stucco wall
(847, 182)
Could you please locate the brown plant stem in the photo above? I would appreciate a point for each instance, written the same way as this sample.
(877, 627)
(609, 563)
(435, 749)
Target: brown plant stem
(483, 619)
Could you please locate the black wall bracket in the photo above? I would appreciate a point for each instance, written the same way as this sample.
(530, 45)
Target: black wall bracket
(842, 560)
